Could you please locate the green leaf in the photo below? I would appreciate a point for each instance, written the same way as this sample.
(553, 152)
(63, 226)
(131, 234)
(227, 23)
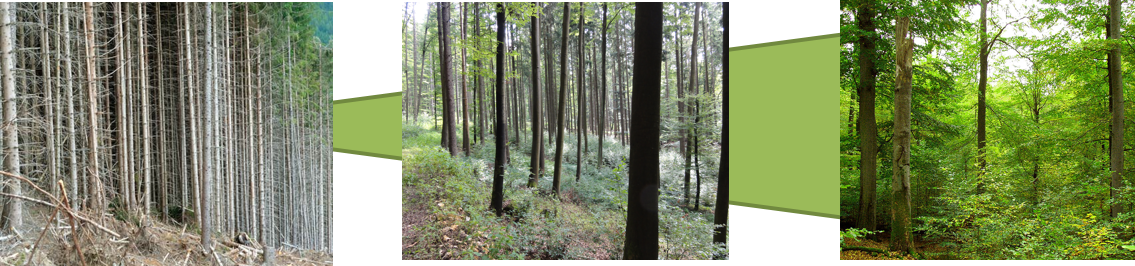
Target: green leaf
(1128, 247)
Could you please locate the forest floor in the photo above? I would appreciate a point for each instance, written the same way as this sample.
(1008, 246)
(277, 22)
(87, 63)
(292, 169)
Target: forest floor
(145, 242)
(929, 250)
(446, 214)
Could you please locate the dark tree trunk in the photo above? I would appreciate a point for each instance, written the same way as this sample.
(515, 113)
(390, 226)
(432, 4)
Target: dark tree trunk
(603, 93)
(449, 129)
(563, 96)
(867, 131)
(642, 191)
(1115, 85)
(501, 132)
(537, 121)
(721, 215)
(580, 122)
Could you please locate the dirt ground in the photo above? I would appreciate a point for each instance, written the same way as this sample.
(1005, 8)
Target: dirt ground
(150, 243)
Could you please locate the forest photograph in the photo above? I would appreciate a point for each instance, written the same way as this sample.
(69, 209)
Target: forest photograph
(166, 133)
(565, 131)
(987, 129)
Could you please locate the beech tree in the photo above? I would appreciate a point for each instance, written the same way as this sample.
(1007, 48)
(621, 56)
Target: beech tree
(901, 238)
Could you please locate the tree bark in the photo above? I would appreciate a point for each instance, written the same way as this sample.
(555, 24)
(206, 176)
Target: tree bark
(721, 214)
(1115, 86)
(94, 189)
(901, 239)
(581, 122)
(501, 132)
(865, 17)
(537, 119)
(13, 207)
(210, 121)
(464, 86)
(563, 96)
(982, 84)
(642, 190)
(685, 105)
(603, 92)
(449, 129)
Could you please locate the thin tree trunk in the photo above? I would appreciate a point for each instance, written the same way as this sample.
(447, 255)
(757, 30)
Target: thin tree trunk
(537, 121)
(72, 161)
(603, 92)
(580, 123)
(560, 110)
(464, 86)
(210, 86)
(94, 188)
(501, 132)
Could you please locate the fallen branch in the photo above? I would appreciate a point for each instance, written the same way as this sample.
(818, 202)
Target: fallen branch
(214, 255)
(40, 238)
(57, 203)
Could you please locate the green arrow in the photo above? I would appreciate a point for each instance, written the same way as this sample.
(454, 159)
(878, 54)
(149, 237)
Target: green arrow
(369, 126)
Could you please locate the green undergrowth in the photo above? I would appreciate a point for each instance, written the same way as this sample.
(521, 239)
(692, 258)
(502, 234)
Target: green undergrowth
(586, 221)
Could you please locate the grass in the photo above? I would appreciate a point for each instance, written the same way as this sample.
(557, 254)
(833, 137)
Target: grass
(446, 215)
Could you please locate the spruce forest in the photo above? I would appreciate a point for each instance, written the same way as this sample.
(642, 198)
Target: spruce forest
(986, 129)
(166, 133)
(564, 131)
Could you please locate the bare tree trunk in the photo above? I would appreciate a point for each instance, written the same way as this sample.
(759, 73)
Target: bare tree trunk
(145, 111)
(210, 87)
(72, 162)
(94, 189)
(901, 239)
(13, 208)
(867, 131)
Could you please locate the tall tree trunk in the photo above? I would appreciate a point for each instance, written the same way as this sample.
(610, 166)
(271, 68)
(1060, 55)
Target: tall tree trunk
(537, 119)
(464, 86)
(1115, 86)
(13, 208)
(981, 88)
(71, 156)
(721, 215)
(685, 105)
(642, 191)
(208, 165)
(901, 239)
(49, 98)
(94, 189)
(145, 97)
(603, 92)
(560, 110)
(501, 132)
(477, 78)
(580, 123)
(865, 16)
(449, 129)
